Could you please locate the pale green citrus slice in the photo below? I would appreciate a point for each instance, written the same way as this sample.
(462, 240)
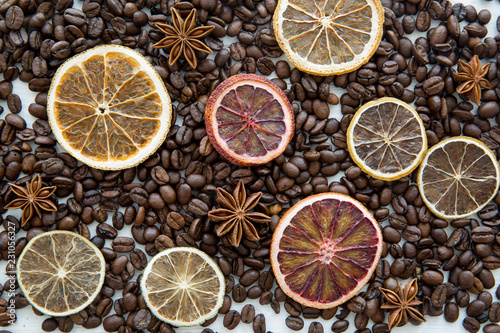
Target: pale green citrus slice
(183, 286)
(60, 272)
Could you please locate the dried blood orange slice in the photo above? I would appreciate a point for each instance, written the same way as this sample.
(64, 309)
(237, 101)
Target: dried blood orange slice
(109, 108)
(249, 120)
(325, 249)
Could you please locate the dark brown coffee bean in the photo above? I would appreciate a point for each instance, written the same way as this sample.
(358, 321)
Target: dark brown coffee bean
(451, 312)
(231, 319)
(471, 324)
(340, 326)
(294, 323)
(113, 323)
(475, 308)
(259, 324)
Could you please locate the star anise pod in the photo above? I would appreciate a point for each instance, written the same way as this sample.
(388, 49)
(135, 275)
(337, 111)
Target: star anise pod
(32, 198)
(234, 216)
(471, 75)
(401, 303)
(183, 37)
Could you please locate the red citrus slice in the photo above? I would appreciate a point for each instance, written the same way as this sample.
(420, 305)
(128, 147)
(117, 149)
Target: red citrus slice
(325, 249)
(249, 120)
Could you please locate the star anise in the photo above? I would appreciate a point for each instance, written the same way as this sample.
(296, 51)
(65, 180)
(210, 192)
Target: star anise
(472, 75)
(234, 215)
(32, 198)
(183, 38)
(401, 303)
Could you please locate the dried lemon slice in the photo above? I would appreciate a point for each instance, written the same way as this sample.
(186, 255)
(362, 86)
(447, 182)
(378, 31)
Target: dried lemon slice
(386, 139)
(109, 108)
(60, 272)
(328, 37)
(183, 286)
(458, 177)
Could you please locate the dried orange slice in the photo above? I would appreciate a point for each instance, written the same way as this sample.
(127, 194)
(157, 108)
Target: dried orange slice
(183, 286)
(328, 37)
(325, 249)
(60, 273)
(249, 120)
(386, 139)
(109, 108)
(458, 177)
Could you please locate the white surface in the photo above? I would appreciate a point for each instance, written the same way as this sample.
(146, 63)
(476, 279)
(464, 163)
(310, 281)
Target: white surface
(28, 322)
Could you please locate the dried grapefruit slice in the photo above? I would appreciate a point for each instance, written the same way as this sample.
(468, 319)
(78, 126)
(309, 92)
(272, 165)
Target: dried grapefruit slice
(386, 139)
(109, 108)
(249, 120)
(325, 249)
(324, 37)
(60, 272)
(458, 177)
(183, 286)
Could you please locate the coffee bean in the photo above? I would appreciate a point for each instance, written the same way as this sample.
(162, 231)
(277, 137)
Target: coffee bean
(294, 323)
(259, 324)
(491, 328)
(451, 312)
(248, 314)
(471, 324)
(231, 319)
(113, 323)
(340, 326)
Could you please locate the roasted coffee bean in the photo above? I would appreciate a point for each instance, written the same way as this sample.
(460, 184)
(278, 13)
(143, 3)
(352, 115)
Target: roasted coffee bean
(471, 324)
(340, 326)
(294, 323)
(259, 324)
(451, 312)
(247, 314)
(231, 319)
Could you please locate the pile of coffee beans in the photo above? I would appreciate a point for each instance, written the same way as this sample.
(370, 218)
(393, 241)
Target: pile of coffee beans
(165, 200)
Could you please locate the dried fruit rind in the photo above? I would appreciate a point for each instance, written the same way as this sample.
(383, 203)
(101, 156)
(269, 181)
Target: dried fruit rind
(109, 108)
(324, 37)
(325, 249)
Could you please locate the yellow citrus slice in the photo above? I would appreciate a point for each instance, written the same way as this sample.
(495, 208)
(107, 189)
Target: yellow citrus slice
(109, 108)
(325, 249)
(458, 177)
(386, 139)
(328, 37)
(183, 286)
(60, 272)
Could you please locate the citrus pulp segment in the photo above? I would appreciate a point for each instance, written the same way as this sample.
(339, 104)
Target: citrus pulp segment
(183, 286)
(249, 120)
(386, 139)
(60, 273)
(325, 249)
(328, 37)
(109, 108)
(458, 177)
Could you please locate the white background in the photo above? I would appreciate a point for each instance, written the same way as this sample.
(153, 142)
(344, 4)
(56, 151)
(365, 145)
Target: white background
(27, 321)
